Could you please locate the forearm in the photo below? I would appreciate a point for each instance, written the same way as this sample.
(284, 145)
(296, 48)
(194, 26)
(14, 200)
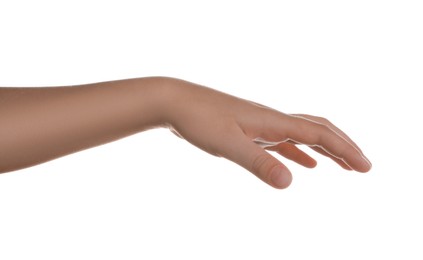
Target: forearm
(44, 123)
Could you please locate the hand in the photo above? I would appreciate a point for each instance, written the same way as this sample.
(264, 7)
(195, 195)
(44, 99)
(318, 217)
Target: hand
(242, 131)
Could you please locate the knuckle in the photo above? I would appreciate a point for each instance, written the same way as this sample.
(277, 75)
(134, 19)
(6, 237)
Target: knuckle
(260, 164)
(316, 133)
(323, 132)
(325, 127)
(346, 151)
(323, 120)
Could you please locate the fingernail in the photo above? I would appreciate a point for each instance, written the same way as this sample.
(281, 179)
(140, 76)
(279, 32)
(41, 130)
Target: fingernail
(280, 177)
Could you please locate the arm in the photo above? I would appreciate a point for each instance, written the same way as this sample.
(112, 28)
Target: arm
(41, 124)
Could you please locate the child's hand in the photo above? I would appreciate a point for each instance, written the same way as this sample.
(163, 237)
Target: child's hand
(241, 131)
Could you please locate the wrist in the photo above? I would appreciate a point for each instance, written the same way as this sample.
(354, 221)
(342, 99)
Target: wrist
(158, 96)
(173, 98)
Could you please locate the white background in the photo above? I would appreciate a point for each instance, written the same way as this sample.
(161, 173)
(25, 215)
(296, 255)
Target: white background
(358, 63)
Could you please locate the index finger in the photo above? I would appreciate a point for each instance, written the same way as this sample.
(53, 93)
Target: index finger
(312, 133)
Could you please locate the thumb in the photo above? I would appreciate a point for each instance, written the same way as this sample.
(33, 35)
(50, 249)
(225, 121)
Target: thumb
(259, 162)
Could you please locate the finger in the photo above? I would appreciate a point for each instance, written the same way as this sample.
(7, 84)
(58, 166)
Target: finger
(293, 153)
(337, 160)
(317, 149)
(324, 121)
(255, 159)
(315, 134)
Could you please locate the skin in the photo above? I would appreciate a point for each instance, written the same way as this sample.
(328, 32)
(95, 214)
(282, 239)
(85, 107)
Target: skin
(44, 123)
